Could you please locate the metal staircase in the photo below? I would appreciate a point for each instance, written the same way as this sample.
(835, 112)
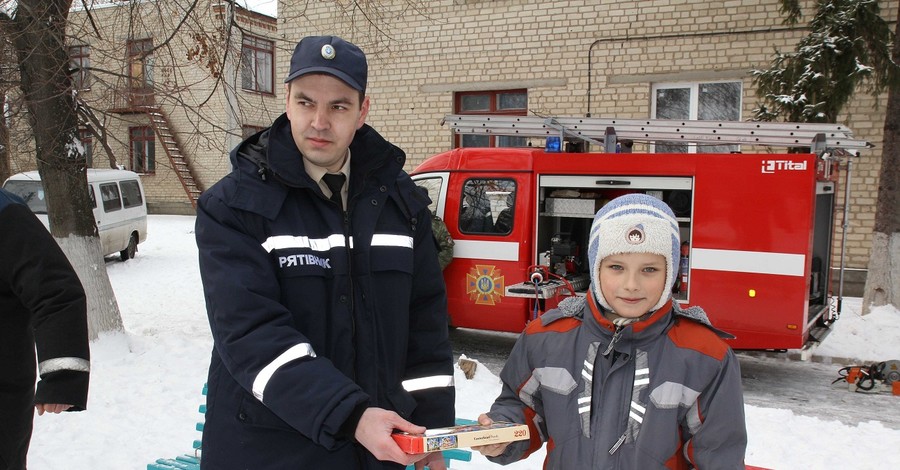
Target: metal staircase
(170, 143)
(606, 133)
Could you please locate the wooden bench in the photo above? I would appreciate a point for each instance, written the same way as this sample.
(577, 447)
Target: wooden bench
(186, 461)
(192, 462)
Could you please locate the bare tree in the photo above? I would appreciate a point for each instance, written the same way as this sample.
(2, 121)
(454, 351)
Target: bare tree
(4, 141)
(184, 55)
(186, 68)
(8, 80)
(37, 30)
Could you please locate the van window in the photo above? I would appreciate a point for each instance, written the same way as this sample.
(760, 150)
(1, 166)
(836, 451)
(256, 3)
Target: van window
(32, 192)
(131, 193)
(433, 186)
(487, 206)
(109, 193)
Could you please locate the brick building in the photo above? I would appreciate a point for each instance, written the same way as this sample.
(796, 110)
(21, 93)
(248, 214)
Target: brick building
(428, 58)
(650, 59)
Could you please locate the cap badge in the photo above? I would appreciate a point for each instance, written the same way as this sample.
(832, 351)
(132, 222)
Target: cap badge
(635, 236)
(328, 51)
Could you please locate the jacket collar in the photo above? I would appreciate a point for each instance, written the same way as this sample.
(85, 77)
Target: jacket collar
(647, 326)
(268, 162)
(369, 149)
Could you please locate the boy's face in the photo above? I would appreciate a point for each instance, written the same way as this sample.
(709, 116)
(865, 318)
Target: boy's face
(325, 113)
(632, 283)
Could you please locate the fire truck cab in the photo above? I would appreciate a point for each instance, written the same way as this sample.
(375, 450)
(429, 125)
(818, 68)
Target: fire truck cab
(757, 229)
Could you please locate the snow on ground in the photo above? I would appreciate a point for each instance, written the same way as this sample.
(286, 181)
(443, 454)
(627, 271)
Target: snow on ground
(146, 382)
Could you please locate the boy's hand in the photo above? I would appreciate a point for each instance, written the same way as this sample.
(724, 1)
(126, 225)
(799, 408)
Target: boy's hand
(490, 450)
(434, 461)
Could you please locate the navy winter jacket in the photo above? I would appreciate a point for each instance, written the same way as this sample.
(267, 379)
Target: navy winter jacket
(317, 314)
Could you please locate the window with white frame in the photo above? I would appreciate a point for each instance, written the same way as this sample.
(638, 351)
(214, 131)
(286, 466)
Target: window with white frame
(257, 64)
(707, 101)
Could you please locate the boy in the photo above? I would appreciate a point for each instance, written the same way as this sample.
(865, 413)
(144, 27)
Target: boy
(623, 378)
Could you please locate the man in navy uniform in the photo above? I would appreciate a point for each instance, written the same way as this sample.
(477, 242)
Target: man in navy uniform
(323, 288)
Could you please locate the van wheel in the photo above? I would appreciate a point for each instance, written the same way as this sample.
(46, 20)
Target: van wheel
(131, 249)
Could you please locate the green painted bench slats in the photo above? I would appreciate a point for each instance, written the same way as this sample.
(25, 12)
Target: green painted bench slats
(192, 462)
(182, 462)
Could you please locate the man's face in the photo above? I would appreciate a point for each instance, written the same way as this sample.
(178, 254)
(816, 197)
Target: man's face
(632, 283)
(325, 113)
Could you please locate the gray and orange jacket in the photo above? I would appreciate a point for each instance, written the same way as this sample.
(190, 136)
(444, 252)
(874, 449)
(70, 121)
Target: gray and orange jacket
(664, 392)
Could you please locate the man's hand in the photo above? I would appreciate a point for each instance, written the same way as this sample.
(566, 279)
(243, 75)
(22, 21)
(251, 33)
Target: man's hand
(374, 433)
(490, 450)
(50, 408)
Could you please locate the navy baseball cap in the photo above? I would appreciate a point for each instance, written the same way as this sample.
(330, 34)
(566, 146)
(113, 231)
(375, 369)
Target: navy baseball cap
(331, 55)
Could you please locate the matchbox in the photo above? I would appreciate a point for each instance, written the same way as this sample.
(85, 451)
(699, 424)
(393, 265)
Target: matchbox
(460, 436)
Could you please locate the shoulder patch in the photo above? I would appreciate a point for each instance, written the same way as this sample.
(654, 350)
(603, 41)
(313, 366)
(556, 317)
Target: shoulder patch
(689, 334)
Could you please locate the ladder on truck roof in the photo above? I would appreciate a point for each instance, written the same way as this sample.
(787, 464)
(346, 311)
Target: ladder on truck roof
(819, 137)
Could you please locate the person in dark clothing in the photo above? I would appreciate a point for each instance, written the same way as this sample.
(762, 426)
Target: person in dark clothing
(442, 236)
(504, 222)
(42, 306)
(323, 289)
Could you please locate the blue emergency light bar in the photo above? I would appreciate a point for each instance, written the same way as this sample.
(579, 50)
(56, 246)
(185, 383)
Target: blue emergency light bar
(552, 145)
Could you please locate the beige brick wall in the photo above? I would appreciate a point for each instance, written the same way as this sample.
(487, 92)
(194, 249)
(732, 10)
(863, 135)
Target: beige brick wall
(420, 56)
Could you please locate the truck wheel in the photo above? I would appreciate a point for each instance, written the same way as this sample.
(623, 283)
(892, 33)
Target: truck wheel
(131, 249)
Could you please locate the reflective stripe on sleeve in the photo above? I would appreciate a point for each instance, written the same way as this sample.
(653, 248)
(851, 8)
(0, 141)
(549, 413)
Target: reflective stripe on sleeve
(295, 352)
(281, 242)
(76, 364)
(383, 239)
(423, 383)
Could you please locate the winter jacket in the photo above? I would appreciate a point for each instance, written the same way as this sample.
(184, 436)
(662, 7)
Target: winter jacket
(662, 393)
(317, 314)
(42, 304)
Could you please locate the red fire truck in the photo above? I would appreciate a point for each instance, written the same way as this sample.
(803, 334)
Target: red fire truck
(758, 228)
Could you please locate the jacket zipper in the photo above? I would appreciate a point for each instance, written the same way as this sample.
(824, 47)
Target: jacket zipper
(351, 295)
(620, 326)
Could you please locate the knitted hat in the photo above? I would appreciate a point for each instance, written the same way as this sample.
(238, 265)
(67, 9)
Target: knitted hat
(634, 223)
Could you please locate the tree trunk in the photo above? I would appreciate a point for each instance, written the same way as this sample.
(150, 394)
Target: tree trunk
(883, 278)
(5, 170)
(43, 62)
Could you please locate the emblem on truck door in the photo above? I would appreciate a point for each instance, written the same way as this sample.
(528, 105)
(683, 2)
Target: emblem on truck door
(485, 285)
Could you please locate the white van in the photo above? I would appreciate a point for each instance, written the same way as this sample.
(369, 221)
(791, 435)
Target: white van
(121, 215)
